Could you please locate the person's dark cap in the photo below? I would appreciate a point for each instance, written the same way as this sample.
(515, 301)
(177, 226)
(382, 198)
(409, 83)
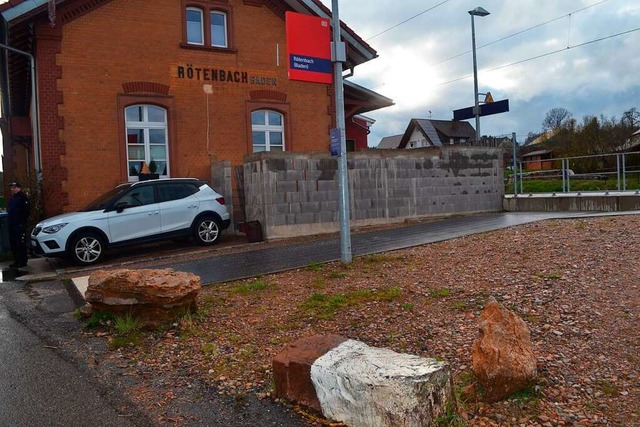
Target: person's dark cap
(15, 184)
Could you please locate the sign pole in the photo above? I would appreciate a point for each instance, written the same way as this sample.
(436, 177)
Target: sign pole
(343, 177)
(515, 165)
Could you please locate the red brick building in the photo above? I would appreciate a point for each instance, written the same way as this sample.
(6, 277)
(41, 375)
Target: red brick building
(174, 84)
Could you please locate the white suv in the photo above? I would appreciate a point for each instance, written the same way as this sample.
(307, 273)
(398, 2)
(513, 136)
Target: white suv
(134, 213)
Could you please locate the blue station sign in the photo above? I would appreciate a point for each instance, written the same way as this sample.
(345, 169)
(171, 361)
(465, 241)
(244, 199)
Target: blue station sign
(485, 110)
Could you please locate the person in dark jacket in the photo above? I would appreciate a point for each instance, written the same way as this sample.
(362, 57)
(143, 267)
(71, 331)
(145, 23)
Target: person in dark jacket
(18, 214)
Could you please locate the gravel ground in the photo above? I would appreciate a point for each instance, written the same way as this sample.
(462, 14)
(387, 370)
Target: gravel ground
(574, 282)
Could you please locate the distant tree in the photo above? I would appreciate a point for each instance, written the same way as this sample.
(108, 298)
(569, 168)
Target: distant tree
(631, 119)
(531, 136)
(592, 136)
(555, 118)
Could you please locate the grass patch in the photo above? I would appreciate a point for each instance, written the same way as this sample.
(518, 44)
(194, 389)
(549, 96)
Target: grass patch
(440, 293)
(126, 331)
(189, 323)
(337, 275)
(210, 350)
(459, 305)
(126, 324)
(326, 306)
(527, 396)
(318, 283)
(407, 307)
(254, 286)
(323, 306)
(555, 185)
(99, 319)
(608, 389)
(373, 259)
(315, 266)
(132, 339)
(450, 419)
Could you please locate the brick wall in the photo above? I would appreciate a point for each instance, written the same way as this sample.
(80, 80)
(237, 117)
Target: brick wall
(125, 41)
(296, 194)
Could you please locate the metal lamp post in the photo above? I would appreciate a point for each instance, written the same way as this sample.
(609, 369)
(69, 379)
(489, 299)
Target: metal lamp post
(478, 11)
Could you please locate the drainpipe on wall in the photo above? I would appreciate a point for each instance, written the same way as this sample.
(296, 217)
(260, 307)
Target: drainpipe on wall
(35, 121)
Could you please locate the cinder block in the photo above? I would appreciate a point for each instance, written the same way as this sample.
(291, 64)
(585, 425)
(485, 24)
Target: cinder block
(306, 218)
(327, 185)
(309, 207)
(287, 186)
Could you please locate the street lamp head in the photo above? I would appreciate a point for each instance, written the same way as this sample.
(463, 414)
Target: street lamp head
(478, 11)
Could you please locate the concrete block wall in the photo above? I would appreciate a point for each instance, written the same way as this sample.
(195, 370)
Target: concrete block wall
(221, 181)
(294, 194)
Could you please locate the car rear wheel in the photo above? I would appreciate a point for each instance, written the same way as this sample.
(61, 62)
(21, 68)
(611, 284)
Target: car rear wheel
(86, 248)
(206, 231)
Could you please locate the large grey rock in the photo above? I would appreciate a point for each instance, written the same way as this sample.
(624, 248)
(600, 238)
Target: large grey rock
(365, 386)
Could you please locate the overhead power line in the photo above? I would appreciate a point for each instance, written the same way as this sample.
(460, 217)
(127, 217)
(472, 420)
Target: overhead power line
(521, 32)
(408, 19)
(546, 54)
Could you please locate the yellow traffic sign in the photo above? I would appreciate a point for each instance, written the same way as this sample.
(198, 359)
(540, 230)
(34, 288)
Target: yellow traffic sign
(488, 99)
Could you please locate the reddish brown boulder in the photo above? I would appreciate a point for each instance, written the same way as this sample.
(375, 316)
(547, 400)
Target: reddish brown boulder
(292, 368)
(154, 297)
(502, 357)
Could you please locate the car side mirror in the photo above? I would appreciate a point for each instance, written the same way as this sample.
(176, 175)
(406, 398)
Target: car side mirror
(121, 206)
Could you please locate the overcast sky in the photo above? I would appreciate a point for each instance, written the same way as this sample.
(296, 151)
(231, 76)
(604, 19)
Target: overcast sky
(425, 65)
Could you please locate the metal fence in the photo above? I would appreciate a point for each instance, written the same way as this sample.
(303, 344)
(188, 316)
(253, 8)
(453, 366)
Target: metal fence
(595, 173)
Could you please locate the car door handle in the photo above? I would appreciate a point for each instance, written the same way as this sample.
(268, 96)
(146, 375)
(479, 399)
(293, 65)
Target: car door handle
(153, 213)
(192, 206)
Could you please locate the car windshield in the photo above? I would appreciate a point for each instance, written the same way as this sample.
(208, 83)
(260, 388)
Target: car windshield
(101, 202)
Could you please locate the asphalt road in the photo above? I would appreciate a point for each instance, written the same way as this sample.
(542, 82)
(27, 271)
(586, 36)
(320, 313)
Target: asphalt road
(270, 260)
(39, 386)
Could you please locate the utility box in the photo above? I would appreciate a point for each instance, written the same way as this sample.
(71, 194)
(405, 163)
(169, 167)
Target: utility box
(253, 229)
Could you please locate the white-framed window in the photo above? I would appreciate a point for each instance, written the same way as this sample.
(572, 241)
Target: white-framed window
(207, 25)
(218, 28)
(147, 140)
(267, 128)
(195, 26)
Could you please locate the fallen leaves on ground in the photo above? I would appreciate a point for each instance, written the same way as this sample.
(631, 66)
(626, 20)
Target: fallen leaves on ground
(574, 282)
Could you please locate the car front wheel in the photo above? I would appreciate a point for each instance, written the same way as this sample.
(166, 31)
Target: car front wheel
(86, 248)
(206, 231)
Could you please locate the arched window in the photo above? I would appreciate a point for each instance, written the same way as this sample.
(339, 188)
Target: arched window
(147, 141)
(267, 127)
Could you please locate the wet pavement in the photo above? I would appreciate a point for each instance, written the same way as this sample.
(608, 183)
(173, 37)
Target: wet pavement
(274, 259)
(40, 388)
(215, 264)
(42, 382)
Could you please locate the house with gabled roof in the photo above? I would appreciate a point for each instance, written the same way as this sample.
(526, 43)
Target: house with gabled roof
(390, 142)
(422, 133)
(436, 133)
(115, 85)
